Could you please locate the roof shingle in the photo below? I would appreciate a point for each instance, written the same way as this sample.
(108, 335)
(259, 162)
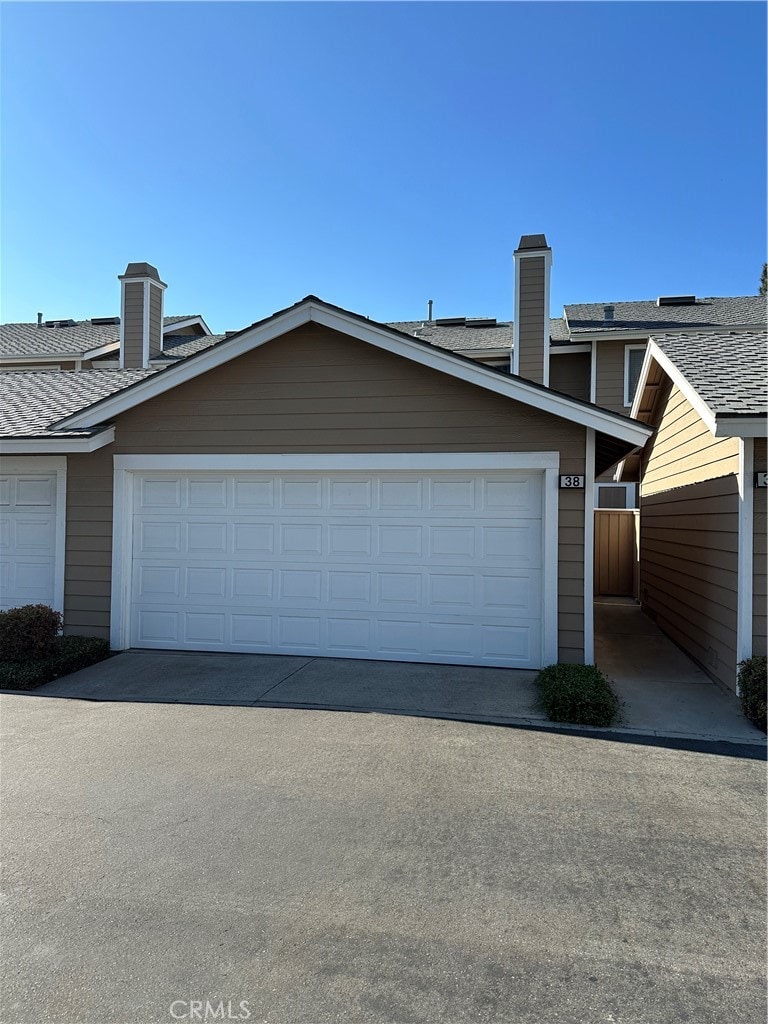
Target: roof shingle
(645, 316)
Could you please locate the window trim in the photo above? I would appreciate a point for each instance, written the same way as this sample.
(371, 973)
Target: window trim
(630, 490)
(627, 349)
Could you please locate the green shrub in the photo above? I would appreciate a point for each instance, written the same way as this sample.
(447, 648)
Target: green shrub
(752, 690)
(28, 632)
(69, 654)
(578, 695)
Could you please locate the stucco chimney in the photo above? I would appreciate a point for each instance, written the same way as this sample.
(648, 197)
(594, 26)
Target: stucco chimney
(533, 263)
(141, 315)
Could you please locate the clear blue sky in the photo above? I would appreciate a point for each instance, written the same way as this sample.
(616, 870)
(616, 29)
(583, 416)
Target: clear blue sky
(378, 155)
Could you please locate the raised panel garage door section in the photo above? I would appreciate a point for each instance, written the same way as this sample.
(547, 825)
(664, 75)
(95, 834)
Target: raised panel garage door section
(440, 567)
(27, 539)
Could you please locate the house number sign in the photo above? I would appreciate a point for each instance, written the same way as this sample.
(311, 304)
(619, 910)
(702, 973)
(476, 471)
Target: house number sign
(571, 482)
(761, 479)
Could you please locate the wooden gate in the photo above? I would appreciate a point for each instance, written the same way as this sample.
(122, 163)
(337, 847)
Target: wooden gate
(616, 552)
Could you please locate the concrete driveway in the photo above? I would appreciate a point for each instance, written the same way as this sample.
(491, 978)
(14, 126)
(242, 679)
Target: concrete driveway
(372, 869)
(665, 696)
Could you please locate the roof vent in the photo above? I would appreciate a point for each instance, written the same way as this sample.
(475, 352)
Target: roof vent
(480, 321)
(228, 334)
(451, 321)
(676, 300)
(59, 323)
(105, 321)
(608, 312)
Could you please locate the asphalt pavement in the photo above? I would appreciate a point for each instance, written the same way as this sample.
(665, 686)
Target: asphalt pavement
(309, 867)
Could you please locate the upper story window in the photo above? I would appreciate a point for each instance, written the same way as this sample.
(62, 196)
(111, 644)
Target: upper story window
(633, 364)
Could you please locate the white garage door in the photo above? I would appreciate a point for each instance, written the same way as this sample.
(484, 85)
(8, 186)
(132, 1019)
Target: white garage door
(27, 539)
(442, 567)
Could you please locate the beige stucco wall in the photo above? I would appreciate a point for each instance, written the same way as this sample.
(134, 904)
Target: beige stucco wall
(760, 554)
(315, 390)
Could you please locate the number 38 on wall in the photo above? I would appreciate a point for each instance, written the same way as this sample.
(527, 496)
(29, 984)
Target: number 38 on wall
(571, 481)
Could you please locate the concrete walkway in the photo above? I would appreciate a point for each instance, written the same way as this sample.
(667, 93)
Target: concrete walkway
(664, 693)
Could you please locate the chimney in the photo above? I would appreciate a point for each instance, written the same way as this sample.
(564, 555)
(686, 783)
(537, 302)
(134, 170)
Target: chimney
(141, 315)
(533, 262)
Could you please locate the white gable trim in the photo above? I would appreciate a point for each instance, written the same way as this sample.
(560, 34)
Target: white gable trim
(698, 403)
(43, 445)
(181, 324)
(382, 337)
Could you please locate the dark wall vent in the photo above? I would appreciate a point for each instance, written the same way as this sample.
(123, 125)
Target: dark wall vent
(676, 300)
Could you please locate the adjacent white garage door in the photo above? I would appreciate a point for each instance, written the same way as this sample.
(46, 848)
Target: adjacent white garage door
(406, 566)
(28, 538)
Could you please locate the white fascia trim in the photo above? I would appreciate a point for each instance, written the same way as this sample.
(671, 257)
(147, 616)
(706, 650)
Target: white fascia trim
(62, 357)
(341, 461)
(745, 563)
(627, 350)
(102, 350)
(145, 326)
(567, 350)
(381, 337)
(126, 468)
(59, 467)
(589, 550)
(73, 445)
(666, 364)
(741, 426)
(180, 324)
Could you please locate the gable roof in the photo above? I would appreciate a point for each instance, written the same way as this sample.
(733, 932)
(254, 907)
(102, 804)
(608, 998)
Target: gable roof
(724, 375)
(647, 316)
(22, 341)
(314, 310)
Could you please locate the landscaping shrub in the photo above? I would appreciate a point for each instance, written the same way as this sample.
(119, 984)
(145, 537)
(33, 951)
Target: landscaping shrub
(28, 632)
(752, 690)
(69, 654)
(577, 695)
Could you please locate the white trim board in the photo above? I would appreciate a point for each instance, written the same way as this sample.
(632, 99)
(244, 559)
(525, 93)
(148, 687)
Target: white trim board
(745, 561)
(128, 467)
(44, 445)
(382, 337)
(589, 550)
(627, 350)
(58, 465)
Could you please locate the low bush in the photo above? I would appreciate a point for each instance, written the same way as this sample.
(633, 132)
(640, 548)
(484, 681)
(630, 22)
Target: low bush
(577, 695)
(752, 690)
(69, 654)
(28, 632)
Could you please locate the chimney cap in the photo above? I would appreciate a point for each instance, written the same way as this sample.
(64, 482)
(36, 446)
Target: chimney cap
(529, 243)
(140, 270)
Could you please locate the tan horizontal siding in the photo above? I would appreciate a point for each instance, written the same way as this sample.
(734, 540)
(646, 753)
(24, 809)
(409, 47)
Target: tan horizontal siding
(133, 324)
(760, 555)
(683, 451)
(570, 374)
(529, 319)
(314, 391)
(689, 570)
(609, 374)
(155, 320)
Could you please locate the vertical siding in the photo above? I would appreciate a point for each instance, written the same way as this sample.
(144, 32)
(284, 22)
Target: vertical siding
(318, 391)
(570, 374)
(529, 318)
(133, 331)
(155, 320)
(684, 451)
(760, 554)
